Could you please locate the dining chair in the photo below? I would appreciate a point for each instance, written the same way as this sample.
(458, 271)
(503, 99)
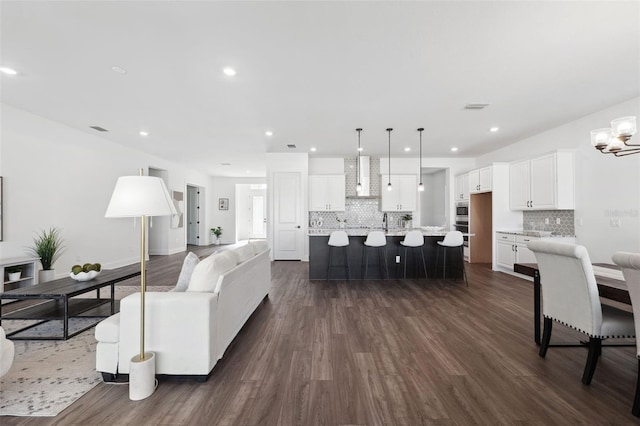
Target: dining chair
(452, 239)
(338, 239)
(630, 265)
(414, 240)
(376, 240)
(570, 296)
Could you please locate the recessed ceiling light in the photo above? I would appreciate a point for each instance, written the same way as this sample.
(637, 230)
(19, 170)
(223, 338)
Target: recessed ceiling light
(407, 149)
(494, 129)
(454, 149)
(143, 133)
(8, 71)
(118, 69)
(313, 149)
(229, 71)
(268, 133)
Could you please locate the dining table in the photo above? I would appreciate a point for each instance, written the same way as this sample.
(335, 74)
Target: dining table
(611, 285)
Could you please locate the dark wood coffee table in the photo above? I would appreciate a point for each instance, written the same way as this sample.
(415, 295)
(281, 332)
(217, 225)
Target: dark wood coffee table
(60, 302)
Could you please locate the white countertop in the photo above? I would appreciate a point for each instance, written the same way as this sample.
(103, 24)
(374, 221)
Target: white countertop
(362, 232)
(541, 234)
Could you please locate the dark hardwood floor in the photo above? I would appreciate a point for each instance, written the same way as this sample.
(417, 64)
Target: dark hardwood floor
(379, 353)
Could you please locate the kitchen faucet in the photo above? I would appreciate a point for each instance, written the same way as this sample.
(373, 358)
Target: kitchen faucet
(385, 222)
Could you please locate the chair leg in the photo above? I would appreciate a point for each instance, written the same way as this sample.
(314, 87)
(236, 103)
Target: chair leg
(380, 260)
(464, 270)
(595, 348)
(386, 265)
(424, 264)
(636, 399)
(346, 258)
(329, 263)
(546, 337)
(444, 264)
(366, 261)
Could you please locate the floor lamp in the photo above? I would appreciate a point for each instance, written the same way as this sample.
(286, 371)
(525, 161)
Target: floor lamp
(141, 196)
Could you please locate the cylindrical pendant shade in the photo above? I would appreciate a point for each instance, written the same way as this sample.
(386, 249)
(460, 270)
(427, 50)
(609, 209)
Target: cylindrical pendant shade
(140, 196)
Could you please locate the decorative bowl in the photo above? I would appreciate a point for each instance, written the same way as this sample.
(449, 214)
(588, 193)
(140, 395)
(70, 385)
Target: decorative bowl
(84, 276)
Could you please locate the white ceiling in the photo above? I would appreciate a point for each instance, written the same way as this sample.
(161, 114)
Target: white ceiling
(314, 71)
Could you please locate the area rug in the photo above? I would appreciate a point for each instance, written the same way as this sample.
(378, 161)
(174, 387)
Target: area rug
(48, 376)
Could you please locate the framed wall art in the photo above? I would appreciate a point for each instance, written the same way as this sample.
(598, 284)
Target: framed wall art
(223, 204)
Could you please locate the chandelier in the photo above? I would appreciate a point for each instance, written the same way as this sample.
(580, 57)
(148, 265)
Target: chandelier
(615, 139)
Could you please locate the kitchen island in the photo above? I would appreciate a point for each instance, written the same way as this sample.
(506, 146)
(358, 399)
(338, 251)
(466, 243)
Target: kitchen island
(319, 257)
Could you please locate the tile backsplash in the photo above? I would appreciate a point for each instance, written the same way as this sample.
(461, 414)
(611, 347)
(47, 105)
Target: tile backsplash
(359, 213)
(535, 221)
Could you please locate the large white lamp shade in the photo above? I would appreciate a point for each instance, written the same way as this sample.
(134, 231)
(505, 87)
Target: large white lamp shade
(140, 196)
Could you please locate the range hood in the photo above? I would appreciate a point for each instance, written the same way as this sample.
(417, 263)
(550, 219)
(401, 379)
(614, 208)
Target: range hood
(364, 170)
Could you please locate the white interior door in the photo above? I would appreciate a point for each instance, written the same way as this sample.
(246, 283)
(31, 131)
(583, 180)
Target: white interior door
(193, 202)
(258, 216)
(288, 236)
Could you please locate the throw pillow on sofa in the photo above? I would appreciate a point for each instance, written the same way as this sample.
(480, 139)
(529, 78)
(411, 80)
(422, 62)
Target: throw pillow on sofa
(206, 273)
(244, 253)
(189, 264)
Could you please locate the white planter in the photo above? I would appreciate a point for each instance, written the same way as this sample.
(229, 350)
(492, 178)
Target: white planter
(15, 276)
(45, 275)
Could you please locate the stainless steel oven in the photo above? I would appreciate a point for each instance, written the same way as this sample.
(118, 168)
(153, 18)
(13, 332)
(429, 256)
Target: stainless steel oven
(463, 226)
(462, 209)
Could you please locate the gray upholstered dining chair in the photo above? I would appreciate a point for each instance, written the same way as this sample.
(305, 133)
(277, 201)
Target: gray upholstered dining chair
(630, 264)
(570, 297)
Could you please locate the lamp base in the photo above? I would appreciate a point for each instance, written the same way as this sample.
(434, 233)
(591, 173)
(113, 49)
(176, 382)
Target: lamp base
(142, 376)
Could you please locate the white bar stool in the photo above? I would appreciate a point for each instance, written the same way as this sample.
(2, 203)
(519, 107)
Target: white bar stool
(376, 240)
(338, 239)
(451, 239)
(414, 240)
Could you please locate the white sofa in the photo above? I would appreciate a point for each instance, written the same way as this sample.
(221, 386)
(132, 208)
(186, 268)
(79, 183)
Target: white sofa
(189, 331)
(7, 352)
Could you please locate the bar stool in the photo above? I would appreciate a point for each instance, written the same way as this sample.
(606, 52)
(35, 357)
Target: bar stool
(338, 239)
(376, 240)
(451, 240)
(414, 240)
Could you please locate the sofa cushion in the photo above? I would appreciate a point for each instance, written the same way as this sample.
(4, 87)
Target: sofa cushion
(244, 253)
(206, 273)
(189, 264)
(108, 330)
(259, 246)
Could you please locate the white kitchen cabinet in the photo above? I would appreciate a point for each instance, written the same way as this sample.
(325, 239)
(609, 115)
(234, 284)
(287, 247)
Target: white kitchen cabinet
(462, 187)
(543, 183)
(404, 195)
(512, 249)
(327, 193)
(480, 180)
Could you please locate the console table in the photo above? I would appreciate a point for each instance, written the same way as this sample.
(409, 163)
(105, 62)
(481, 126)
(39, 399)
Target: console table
(59, 302)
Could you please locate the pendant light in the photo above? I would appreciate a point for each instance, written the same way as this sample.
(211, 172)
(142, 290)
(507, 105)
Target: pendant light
(358, 184)
(389, 186)
(420, 185)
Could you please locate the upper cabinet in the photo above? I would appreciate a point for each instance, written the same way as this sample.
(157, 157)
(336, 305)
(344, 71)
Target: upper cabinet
(326, 193)
(462, 187)
(480, 180)
(402, 197)
(543, 183)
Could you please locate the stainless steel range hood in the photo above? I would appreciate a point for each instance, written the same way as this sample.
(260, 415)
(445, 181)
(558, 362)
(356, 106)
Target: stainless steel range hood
(364, 170)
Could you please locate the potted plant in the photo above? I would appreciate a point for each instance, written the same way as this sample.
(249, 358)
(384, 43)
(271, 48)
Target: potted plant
(217, 232)
(48, 247)
(407, 218)
(14, 272)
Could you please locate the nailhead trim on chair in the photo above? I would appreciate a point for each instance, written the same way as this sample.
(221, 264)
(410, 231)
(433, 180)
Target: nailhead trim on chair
(591, 335)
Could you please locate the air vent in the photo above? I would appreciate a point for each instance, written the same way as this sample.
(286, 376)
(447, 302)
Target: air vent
(98, 128)
(475, 106)
(290, 145)
(225, 164)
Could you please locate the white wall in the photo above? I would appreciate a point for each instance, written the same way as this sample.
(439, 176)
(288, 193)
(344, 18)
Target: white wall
(606, 186)
(433, 211)
(58, 176)
(225, 187)
(326, 166)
